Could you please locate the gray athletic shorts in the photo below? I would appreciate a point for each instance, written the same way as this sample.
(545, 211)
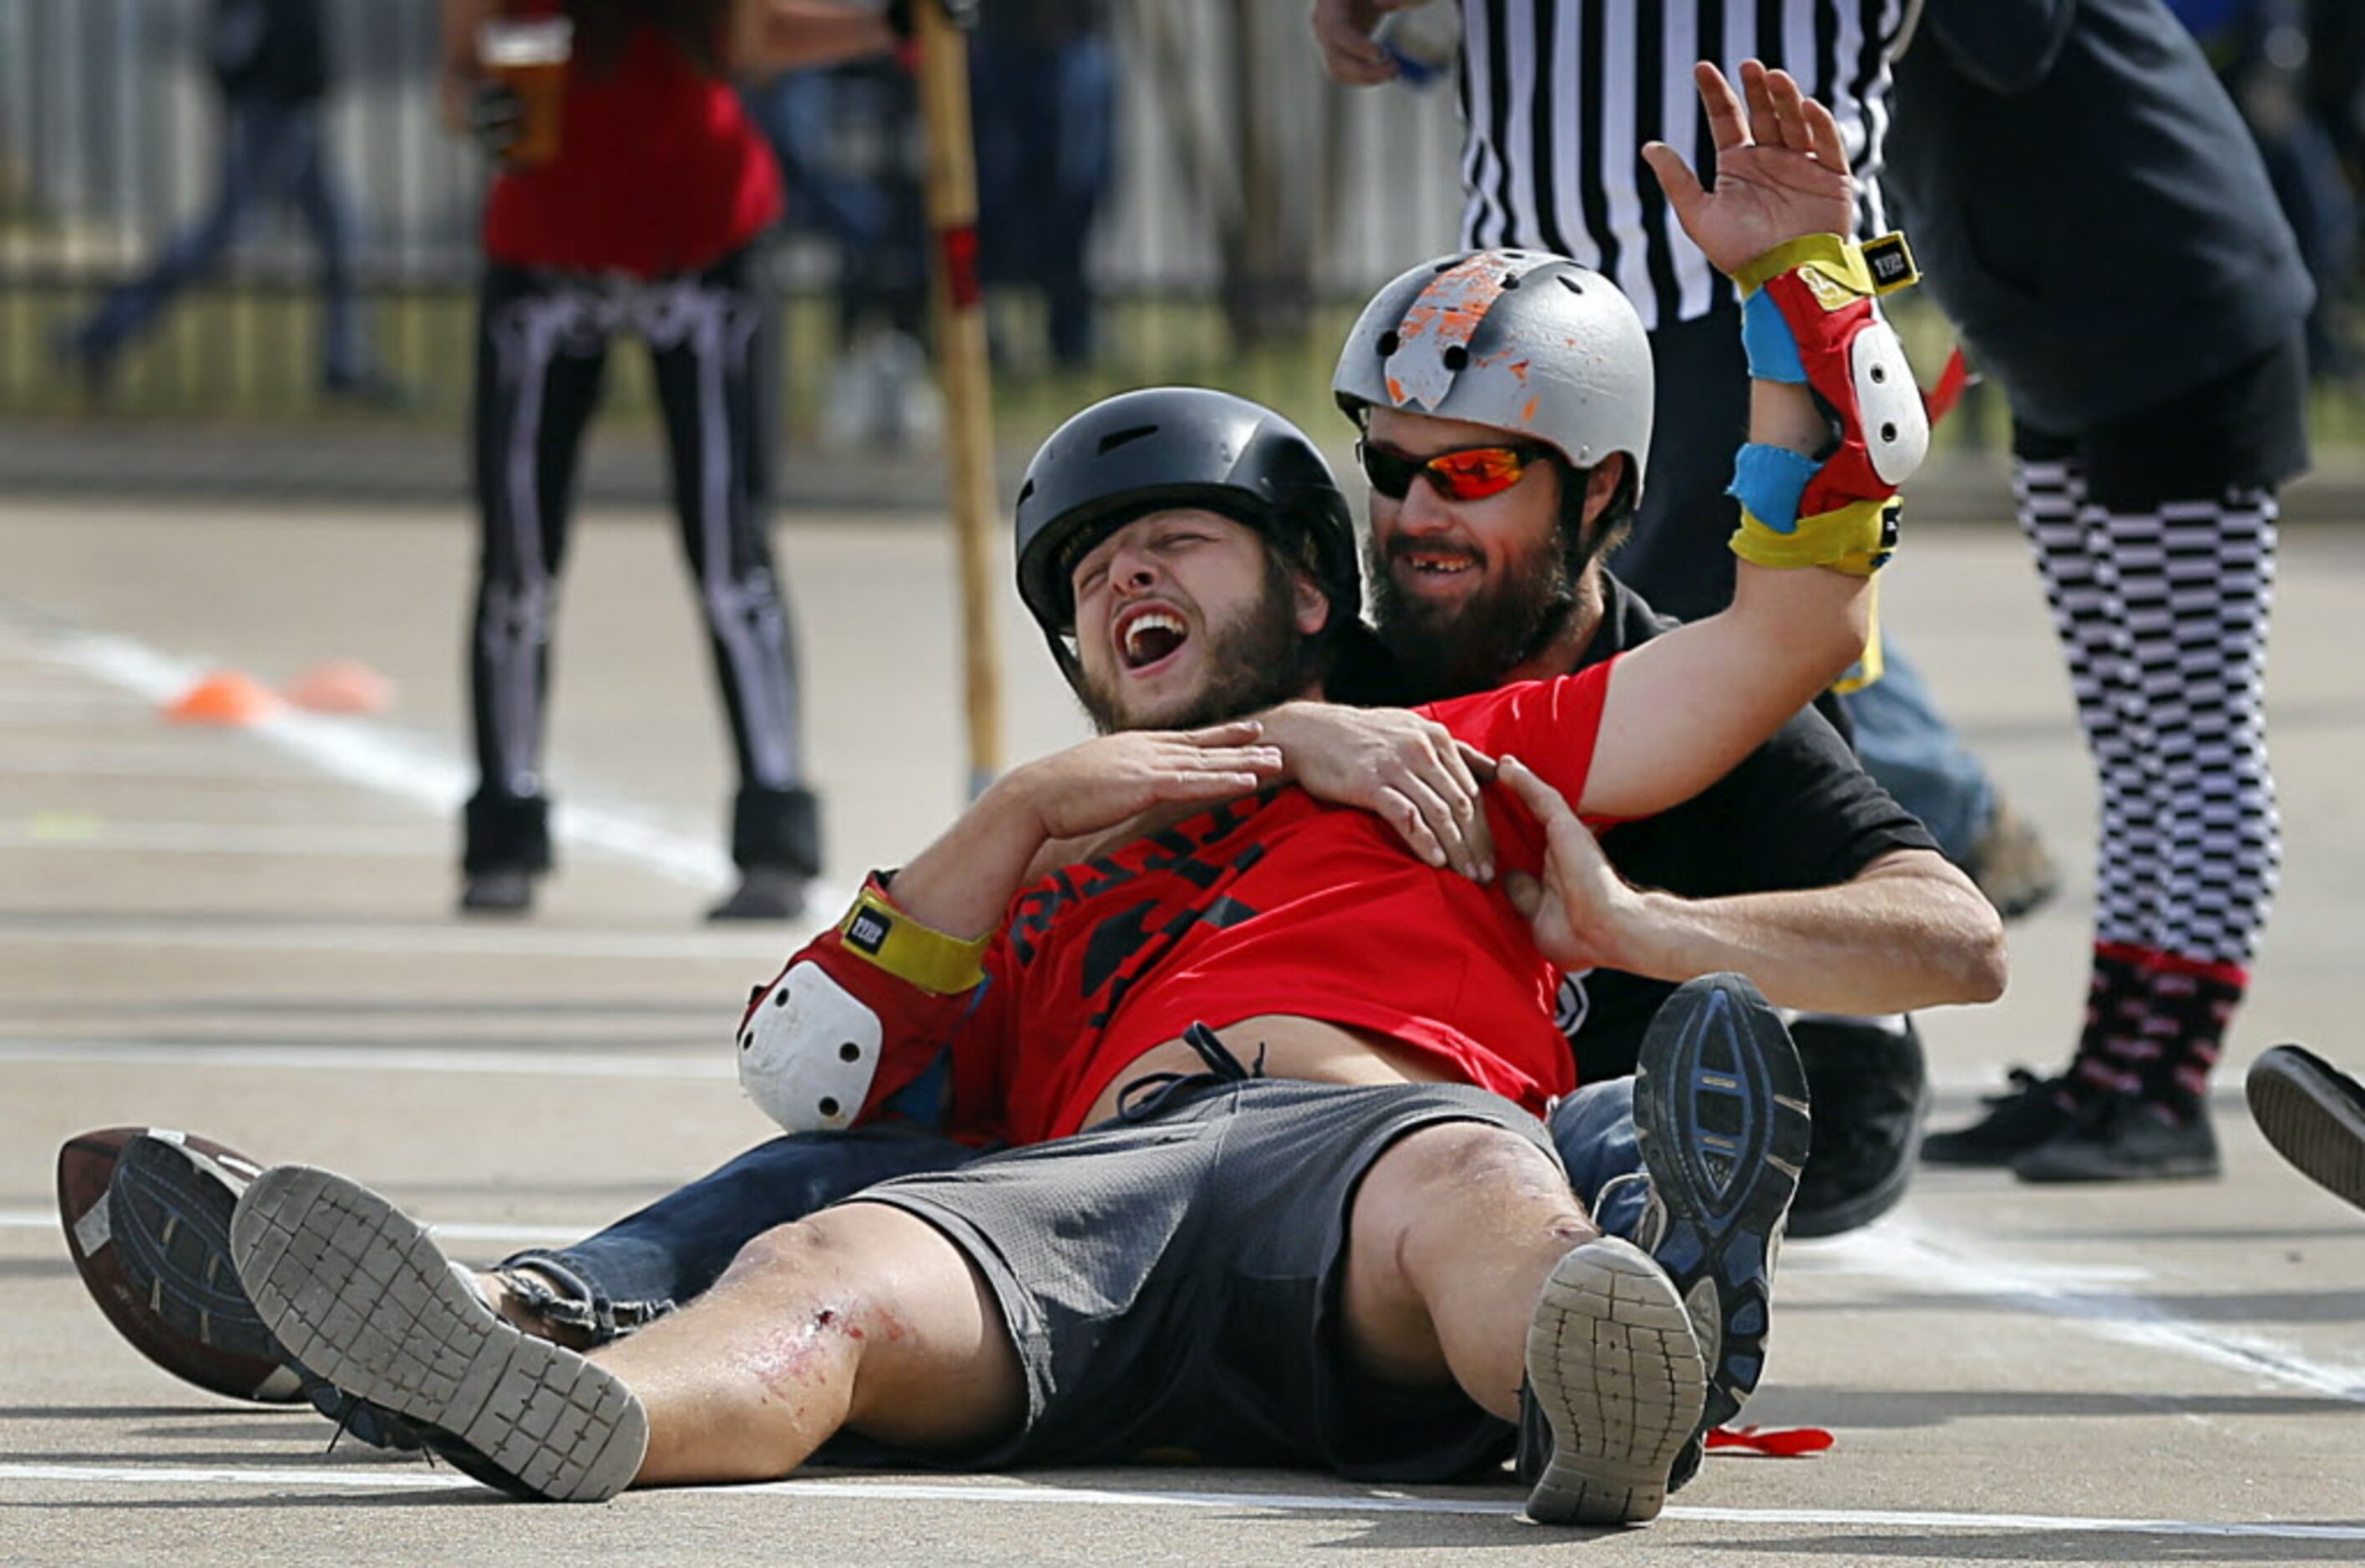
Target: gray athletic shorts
(1171, 1283)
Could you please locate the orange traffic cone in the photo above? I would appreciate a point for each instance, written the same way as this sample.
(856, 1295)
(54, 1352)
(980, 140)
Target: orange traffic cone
(224, 697)
(341, 686)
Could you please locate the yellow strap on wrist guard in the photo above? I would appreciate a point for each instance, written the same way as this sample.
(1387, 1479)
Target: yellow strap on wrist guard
(1835, 268)
(1857, 538)
(910, 951)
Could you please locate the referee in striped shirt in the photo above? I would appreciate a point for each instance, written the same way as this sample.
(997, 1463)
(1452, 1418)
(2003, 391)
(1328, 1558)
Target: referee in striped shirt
(1558, 99)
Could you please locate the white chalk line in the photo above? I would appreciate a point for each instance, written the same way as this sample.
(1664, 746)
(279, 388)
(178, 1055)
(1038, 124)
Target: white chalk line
(374, 1480)
(466, 1230)
(763, 948)
(1899, 1249)
(406, 768)
(524, 1063)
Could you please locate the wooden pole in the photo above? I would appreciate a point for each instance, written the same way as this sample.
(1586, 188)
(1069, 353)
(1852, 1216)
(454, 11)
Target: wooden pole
(962, 369)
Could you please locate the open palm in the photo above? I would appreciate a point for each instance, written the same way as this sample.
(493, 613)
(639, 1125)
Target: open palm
(1781, 170)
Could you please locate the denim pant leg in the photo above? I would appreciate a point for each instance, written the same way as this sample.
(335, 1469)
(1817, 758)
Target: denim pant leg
(1907, 745)
(1594, 1130)
(645, 1265)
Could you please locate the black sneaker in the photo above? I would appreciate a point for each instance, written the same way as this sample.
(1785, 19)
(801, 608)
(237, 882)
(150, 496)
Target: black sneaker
(2125, 1139)
(1869, 1084)
(2315, 1115)
(1615, 1378)
(2028, 1113)
(365, 1296)
(1721, 1114)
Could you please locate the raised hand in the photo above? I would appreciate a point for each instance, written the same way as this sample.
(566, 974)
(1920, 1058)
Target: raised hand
(1781, 171)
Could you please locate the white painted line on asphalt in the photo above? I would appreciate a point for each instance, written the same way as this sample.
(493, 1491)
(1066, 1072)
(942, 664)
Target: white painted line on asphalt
(372, 1478)
(86, 834)
(555, 1063)
(763, 948)
(531, 1234)
(392, 763)
(1898, 1251)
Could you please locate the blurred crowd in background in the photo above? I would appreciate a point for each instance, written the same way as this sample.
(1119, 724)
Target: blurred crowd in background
(1168, 190)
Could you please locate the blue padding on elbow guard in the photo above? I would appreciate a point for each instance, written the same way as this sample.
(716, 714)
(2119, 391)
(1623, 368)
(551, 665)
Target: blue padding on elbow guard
(1767, 338)
(1768, 480)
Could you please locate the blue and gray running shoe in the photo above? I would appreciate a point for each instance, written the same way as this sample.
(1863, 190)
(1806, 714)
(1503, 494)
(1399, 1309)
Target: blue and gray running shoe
(1720, 1114)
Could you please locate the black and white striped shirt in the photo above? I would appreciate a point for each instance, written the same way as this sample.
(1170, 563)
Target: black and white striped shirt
(1558, 96)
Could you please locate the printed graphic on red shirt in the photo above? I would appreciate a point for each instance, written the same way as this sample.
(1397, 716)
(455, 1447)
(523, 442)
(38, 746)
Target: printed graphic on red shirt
(1273, 905)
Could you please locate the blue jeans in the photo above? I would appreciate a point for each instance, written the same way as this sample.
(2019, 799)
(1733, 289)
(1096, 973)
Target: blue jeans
(1908, 747)
(270, 150)
(672, 1251)
(1045, 159)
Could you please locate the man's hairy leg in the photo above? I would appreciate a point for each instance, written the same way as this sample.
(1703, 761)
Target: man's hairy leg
(861, 1318)
(1453, 1232)
(1469, 1258)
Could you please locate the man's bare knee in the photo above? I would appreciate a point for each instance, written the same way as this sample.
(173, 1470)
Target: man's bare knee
(1439, 1199)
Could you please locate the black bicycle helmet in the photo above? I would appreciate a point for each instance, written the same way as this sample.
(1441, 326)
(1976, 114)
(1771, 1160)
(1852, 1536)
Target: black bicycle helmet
(1177, 446)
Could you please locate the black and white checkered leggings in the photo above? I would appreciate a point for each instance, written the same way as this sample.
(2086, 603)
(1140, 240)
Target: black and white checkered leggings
(2162, 615)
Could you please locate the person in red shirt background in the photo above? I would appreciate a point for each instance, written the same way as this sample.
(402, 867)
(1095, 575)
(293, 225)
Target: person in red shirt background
(643, 216)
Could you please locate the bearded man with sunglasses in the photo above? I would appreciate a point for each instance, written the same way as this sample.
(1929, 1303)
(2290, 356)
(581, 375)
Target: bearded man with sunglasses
(1505, 401)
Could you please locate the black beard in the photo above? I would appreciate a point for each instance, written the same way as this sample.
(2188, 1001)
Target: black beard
(1443, 650)
(1256, 661)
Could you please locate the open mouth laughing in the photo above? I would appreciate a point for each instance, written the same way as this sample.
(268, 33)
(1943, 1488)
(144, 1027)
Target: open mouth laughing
(1148, 637)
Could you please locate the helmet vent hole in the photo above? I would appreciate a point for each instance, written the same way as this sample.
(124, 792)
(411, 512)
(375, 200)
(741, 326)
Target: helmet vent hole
(1456, 357)
(1510, 280)
(1116, 439)
(1389, 343)
(1447, 265)
(1025, 490)
(1571, 283)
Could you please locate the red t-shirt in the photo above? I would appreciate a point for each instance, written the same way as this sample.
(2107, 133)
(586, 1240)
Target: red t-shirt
(1278, 905)
(659, 170)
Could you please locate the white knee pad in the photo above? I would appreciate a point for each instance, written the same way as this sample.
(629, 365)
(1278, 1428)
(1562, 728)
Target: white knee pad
(809, 1051)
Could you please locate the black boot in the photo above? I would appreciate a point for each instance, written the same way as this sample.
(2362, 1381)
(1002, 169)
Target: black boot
(776, 843)
(506, 846)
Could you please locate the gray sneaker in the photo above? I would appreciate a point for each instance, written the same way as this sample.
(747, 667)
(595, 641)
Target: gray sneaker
(365, 1298)
(1615, 1374)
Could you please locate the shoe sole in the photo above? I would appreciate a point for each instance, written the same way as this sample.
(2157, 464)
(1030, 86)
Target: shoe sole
(1721, 1114)
(172, 1206)
(363, 1296)
(2299, 1106)
(1613, 1367)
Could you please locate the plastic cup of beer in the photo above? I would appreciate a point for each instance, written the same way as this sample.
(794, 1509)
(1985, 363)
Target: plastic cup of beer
(529, 55)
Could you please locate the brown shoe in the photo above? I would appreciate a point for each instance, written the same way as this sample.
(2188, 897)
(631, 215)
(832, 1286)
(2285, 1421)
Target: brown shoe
(2010, 864)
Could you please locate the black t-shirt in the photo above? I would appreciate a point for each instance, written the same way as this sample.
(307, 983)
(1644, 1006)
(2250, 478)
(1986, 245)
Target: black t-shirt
(1799, 811)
